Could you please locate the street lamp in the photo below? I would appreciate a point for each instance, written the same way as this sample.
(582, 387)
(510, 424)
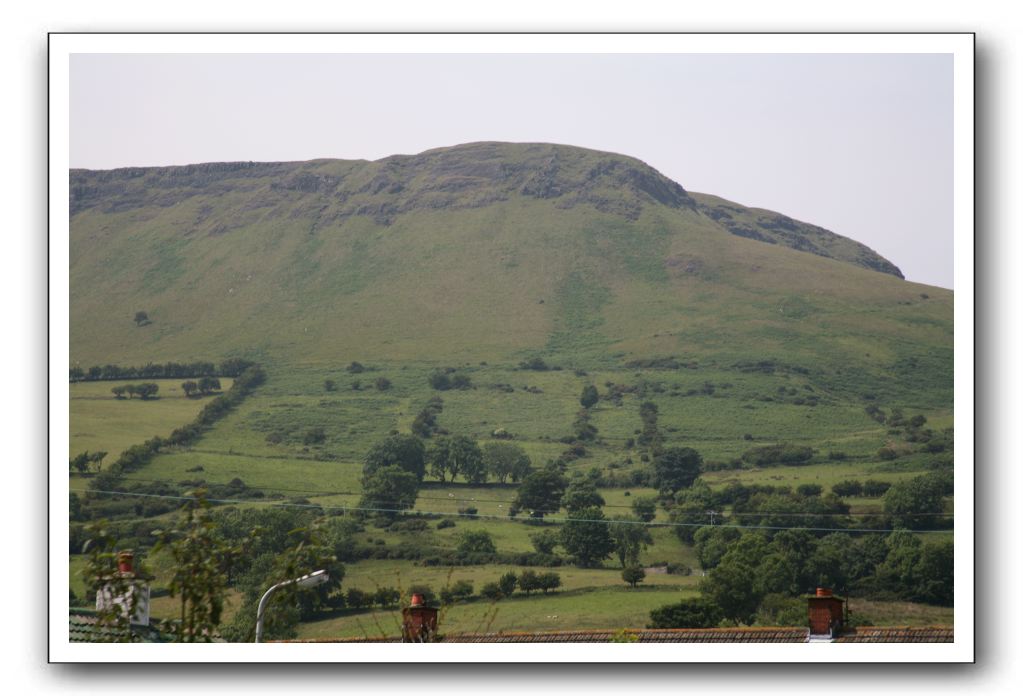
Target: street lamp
(317, 577)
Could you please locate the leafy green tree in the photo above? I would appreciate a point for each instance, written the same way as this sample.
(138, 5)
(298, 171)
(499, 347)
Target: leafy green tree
(355, 367)
(585, 535)
(731, 586)
(911, 504)
(404, 451)
(507, 583)
(808, 490)
(190, 387)
(873, 488)
(80, 462)
(388, 490)
(847, 489)
(491, 591)
(457, 454)
(529, 581)
(676, 468)
(630, 536)
(581, 494)
(504, 460)
(936, 571)
(329, 385)
(460, 591)
(828, 566)
(208, 385)
(201, 558)
(476, 541)
(633, 574)
(712, 543)
(141, 318)
(689, 613)
(589, 396)
(540, 492)
(548, 581)
(119, 391)
(644, 507)
(307, 550)
(382, 383)
(544, 541)
(359, 599)
(695, 507)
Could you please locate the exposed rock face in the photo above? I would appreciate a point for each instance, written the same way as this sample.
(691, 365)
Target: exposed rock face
(467, 176)
(773, 228)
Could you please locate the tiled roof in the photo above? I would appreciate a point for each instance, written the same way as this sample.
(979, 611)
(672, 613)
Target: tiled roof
(675, 635)
(898, 634)
(84, 627)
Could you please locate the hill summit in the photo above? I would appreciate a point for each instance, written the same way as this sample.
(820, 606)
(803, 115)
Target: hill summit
(485, 251)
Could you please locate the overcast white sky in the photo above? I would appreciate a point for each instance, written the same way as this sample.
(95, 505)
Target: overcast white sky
(859, 144)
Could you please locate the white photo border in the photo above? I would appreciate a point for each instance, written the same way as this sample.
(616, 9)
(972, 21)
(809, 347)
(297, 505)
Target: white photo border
(959, 45)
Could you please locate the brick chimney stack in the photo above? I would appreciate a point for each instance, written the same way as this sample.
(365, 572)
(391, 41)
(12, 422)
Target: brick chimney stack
(419, 622)
(825, 614)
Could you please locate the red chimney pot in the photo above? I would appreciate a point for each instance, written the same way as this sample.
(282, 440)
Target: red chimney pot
(124, 561)
(417, 600)
(823, 592)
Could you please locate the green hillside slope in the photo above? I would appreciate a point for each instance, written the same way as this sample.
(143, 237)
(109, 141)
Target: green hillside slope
(483, 252)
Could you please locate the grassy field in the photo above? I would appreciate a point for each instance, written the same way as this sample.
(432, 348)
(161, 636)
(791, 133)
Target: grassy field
(650, 298)
(101, 422)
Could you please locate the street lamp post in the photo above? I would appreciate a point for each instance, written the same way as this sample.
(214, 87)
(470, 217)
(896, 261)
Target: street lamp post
(315, 578)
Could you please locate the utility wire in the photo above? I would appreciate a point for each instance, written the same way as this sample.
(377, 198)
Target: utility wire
(357, 508)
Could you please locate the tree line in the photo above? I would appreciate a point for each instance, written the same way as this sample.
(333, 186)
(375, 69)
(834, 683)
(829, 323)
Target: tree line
(231, 367)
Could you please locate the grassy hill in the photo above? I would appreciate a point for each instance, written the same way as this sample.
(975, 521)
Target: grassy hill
(488, 251)
(744, 327)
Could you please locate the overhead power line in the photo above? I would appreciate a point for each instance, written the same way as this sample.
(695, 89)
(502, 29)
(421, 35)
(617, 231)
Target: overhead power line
(504, 518)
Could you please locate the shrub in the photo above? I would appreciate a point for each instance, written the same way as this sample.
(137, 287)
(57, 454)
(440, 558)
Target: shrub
(847, 489)
(355, 368)
(809, 490)
(445, 523)
(314, 436)
(633, 575)
(548, 582)
(382, 383)
(777, 455)
(875, 489)
(476, 541)
(887, 454)
(491, 591)
(689, 613)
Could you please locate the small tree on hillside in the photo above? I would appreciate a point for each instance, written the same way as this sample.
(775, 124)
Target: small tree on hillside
(504, 460)
(540, 492)
(389, 490)
(586, 536)
(644, 507)
(141, 318)
(589, 396)
(676, 468)
(633, 574)
(457, 454)
(630, 536)
(190, 387)
(404, 451)
(507, 583)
